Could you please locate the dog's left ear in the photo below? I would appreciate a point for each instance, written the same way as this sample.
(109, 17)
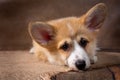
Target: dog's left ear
(95, 17)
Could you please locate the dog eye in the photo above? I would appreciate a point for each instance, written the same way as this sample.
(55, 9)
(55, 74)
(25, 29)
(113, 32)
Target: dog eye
(65, 46)
(83, 42)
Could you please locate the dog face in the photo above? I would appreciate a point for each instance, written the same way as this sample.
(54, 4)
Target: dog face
(69, 41)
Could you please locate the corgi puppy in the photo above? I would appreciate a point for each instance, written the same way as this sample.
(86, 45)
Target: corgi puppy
(68, 41)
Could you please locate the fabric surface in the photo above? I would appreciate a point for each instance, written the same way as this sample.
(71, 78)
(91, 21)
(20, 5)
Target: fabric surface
(21, 65)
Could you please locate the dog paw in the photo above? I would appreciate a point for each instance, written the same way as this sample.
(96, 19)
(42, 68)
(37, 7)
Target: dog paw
(94, 59)
(32, 50)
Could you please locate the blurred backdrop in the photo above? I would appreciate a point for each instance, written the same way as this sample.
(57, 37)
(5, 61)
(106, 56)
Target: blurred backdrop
(16, 14)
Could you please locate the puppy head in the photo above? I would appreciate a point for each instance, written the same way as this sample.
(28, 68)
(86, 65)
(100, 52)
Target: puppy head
(70, 41)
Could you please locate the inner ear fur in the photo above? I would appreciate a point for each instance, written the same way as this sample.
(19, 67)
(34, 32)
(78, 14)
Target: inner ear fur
(42, 33)
(95, 17)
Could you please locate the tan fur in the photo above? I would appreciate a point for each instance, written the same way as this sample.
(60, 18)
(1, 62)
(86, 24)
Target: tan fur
(63, 33)
(60, 26)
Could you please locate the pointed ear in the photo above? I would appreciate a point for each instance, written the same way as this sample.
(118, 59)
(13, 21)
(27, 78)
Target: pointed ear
(95, 17)
(42, 33)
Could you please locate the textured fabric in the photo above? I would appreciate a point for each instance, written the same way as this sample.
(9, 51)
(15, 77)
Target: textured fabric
(21, 65)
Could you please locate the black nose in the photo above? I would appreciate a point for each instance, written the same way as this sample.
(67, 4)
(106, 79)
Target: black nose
(80, 64)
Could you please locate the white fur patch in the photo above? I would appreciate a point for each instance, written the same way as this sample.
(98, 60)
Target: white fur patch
(93, 59)
(32, 50)
(78, 54)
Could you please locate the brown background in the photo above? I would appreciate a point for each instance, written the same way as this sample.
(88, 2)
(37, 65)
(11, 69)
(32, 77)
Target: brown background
(16, 14)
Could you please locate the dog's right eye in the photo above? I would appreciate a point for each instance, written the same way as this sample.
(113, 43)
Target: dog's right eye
(65, 46)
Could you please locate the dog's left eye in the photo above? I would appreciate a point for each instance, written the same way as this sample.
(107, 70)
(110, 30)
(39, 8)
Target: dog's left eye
(65, 46)
(83, 42)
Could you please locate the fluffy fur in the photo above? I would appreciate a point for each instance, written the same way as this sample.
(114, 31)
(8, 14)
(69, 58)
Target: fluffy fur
(68, 41)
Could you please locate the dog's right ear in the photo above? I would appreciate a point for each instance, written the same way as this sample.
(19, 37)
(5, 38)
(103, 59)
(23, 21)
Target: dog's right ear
(42, 33)
(95, 17)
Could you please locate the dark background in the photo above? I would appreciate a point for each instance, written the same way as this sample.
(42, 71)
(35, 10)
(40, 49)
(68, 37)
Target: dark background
(16, 14)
